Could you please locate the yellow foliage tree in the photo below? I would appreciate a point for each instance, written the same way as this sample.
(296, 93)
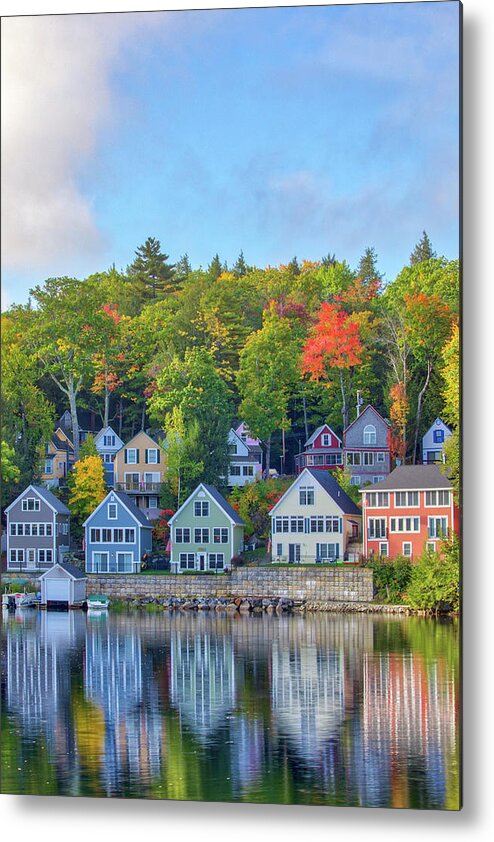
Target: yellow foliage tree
(87, 487)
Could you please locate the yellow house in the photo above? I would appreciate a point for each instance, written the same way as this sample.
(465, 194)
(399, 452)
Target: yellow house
(140, 467)
(58, 459)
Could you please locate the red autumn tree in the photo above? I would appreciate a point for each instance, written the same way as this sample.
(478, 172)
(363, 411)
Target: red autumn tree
(333, 348)
(398, 415)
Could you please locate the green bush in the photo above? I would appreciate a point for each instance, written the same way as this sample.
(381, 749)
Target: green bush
(435, 582)
(391, 578)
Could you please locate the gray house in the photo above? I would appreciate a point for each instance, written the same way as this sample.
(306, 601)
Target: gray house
(38, 530)
(117, 535)
(366, 448)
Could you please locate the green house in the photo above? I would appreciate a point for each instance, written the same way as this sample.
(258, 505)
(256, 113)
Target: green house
(206, 532)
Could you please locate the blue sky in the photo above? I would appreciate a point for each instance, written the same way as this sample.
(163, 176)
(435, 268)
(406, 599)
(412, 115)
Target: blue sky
(281, 131)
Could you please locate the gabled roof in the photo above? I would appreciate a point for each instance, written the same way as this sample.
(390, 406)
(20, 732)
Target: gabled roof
(412, 477)
(218, 498)
(140, 433)
(330, 486)
(436, 423)
(105, 431)
(359, 417)
(73, 571)
(128, 503)
(319, 430)
(53, 502)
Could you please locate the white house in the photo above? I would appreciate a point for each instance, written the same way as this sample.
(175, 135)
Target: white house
(433, 442)
(315, 521)
(245, 463)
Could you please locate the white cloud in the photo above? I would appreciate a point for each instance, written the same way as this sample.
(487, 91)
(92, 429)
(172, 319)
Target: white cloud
(56, 98)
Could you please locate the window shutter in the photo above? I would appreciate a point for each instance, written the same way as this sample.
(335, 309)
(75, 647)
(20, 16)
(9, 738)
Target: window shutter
(273, 526)
(158, 454)
(307, 524)
(317, 551)
(125, 455)
(145, 456)
(341, 524)
(137, 456)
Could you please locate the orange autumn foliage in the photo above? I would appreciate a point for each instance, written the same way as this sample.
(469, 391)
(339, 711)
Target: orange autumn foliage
(334, 342)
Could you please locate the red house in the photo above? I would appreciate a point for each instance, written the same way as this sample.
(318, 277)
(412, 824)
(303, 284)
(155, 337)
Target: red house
(413, 509)
(323, 450)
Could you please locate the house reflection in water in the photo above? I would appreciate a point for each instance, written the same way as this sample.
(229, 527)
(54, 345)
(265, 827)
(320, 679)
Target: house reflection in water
(202, 678)
(39, 656)
(120, 681)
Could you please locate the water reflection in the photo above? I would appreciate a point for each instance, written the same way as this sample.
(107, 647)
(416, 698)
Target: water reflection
(328, 710)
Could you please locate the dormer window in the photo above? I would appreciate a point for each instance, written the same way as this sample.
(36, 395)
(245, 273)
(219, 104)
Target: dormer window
(326, 439)
(370, 434)
(112, 511)
(438, 436)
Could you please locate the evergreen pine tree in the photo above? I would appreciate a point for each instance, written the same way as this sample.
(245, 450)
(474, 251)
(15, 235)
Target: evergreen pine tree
(150, 275)
(293, 267)
(367, 268)
(422, 251)
(215, 268)
(329, 260)
(183, 268)
(240, 268)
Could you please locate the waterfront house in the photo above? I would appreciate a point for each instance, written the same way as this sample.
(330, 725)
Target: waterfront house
(108, 444)
(433, 442)
(366, 448)
(323, 450)
(315, 521)
(245, 463)
(58, 459)
(252, 443)
(410, 511)
(38, 530)
(116, 536)
(206, 532)
(63, 583)
(139, 469)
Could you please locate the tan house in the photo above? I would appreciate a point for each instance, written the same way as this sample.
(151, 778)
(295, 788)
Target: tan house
(59, 458)
(140, 467)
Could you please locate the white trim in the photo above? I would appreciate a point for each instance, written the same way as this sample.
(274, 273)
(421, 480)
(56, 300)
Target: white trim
(40, 496)
(189, 498)
(58, 564)
(407, 555)
(114, 494)
(294, 484)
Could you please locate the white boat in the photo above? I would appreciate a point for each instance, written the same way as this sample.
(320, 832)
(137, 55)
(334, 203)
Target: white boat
(25, 599)
(15, 598)
(97, 602)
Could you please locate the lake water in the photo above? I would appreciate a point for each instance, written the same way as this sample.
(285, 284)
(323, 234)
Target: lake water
(326, 709)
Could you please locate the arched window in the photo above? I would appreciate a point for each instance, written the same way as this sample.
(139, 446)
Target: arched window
(369, 434)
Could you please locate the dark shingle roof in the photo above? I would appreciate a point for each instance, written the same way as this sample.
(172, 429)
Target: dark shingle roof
(129, 503)
(74, 571)
(225, 505)
(406, 477)
(335, 491)
(50, 498)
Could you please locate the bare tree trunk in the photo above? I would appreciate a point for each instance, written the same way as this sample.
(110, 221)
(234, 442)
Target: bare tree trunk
(75, 419)
(306, 426)
(143, 416)
(419, 410)
(344, 407)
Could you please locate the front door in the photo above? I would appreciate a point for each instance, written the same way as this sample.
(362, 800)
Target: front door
(293, 553)
(31, 559)
(201, 558)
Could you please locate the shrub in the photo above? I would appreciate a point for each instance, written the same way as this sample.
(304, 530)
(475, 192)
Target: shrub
(391, 578)
(435, 582)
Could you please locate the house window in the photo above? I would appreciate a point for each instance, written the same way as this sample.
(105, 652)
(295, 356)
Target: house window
(112, 511)
(293, 553)
(327, 552)
(369, 434)
(375, 480)
(383, 550)
(407, 498)
(220, 535)
(334, 524)
(14, 528)
(65, 528)
(353, 458)
(437, 498)
(45, 556)
(355, 480)
(438, 436)
(232, 449)
(437, 527)
(404, 524)
(201, 508)
(201, 536)
(118, 536)
(279, 550)
(248, 470)
(106, 536)
(100, 563)
(152, 456)
(48, 466)
(281, 524)
(108, 441)
(130, 536)
(407, 549)
(182, 535)
(317, 523)
(376, 528)
(216, 561)
(131, 453)
(326, 440)
(17, 556)
(296, 524)
(132, 481)
(108, 457)
(431, 546)
(235, 470)
(368, 458)
(187, 561)
(380, 457)
(34, 529)
(153, 502)
(306, 495)
(30, 504)
(95, 536)
(333, 459)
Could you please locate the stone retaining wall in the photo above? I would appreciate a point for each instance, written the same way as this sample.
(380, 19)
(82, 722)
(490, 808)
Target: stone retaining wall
(312, 585)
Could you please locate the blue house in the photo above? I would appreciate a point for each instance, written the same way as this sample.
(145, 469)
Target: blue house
(117, 536)
(108, 444)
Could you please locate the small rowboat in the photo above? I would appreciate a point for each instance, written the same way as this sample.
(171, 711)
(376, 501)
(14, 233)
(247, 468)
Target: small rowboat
(97, 602)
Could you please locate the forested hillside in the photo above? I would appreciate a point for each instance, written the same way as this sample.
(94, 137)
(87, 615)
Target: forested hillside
(185, 350)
